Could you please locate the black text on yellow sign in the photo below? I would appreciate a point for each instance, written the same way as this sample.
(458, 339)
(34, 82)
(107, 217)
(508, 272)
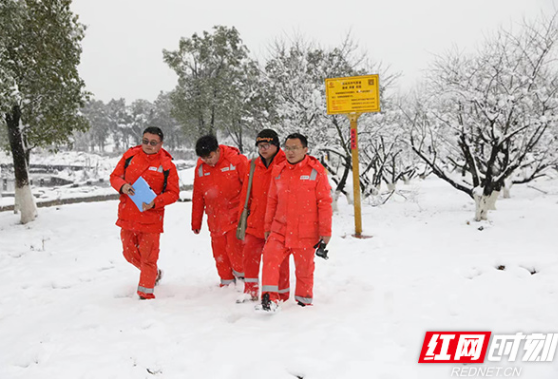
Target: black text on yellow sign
(353, 94)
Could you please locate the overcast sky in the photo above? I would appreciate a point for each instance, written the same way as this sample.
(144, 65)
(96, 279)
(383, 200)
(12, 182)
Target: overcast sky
(122, 51)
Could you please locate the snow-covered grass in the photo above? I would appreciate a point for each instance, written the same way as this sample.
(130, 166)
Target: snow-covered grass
(68, 307)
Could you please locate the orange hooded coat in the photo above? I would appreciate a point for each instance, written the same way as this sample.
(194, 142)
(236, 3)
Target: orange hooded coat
(299, 204)
(258, 194)
(152, 168)
(217, 191)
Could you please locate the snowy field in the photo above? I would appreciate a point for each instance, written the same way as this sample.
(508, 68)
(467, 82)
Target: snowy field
(85, 183)
(68, 308)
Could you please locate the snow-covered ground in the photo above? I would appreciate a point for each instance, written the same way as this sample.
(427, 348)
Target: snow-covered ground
(68, 307)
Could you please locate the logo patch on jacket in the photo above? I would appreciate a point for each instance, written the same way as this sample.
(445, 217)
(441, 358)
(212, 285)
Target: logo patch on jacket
(313, 175)
(230, 168)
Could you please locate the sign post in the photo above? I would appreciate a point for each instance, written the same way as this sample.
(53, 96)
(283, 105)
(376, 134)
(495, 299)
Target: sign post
(353, 96)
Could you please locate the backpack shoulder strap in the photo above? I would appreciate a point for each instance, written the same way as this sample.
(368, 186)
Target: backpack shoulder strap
(250, 178)
(165, 180)
(127, 162)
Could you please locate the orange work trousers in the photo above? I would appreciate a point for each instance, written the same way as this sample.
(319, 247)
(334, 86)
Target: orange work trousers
(274, 254)
(227, 251)
(142, 250)
(252, 252)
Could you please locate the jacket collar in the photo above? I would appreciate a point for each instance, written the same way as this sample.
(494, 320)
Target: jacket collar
(277, 158)
(303, 162)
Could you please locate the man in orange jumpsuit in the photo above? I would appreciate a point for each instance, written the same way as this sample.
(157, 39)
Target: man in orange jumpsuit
(141, 230)
(270, 155)
(217, 184)
(298, 215)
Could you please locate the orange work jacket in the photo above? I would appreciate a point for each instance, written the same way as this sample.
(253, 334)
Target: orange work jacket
(217, 191)
(257, 201)
(299, 203)
(153, 168)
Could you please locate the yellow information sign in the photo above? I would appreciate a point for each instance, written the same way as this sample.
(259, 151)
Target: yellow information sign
(358, 94)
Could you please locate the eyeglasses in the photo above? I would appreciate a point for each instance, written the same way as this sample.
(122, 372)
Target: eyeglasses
(264, 146)
(292, 148)
(152, 142)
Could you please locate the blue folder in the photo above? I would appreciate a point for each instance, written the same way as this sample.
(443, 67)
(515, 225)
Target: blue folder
(143, 193)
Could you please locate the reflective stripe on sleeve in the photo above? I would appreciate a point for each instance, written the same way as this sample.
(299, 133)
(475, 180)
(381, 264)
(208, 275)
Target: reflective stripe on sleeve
(314, 174)
(286, 290)
(200, 171)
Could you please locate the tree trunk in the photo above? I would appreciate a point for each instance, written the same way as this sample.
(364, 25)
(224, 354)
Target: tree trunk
(24, 200)
(343, 181)
(334, 203)
(391, 187)
(507, 193)
(350, 198)
(482, 205)
(492, 200)
(507, 189)
(240, 144)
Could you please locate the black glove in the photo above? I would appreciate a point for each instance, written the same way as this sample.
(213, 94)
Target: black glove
(320, 249)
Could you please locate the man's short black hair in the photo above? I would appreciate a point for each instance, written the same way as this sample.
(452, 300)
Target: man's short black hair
(303, 139)
(206, 145)
(154, 130)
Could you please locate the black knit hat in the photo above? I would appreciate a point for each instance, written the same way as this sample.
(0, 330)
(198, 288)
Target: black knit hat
(269, 136)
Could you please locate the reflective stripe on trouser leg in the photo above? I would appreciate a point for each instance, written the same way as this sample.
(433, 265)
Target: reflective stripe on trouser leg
(145, 290)
(304, 271)
(270, 289)
(284, 280)
(274, 254)
(227, 282)
(304, 300)
(251, 286)
(219, 247)
(148, 246)
(234, 252)
(238, 274)
(252, 255)
(284, 294)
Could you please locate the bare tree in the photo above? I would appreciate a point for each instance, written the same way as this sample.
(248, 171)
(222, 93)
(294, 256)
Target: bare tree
(487, 115)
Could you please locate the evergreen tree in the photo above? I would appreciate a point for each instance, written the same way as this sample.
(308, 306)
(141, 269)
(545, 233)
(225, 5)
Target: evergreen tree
(40, 91)
(162, 108)
(214, 73)
(96, 113)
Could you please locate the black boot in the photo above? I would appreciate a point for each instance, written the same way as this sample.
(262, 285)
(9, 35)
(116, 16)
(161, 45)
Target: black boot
(266, 303)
